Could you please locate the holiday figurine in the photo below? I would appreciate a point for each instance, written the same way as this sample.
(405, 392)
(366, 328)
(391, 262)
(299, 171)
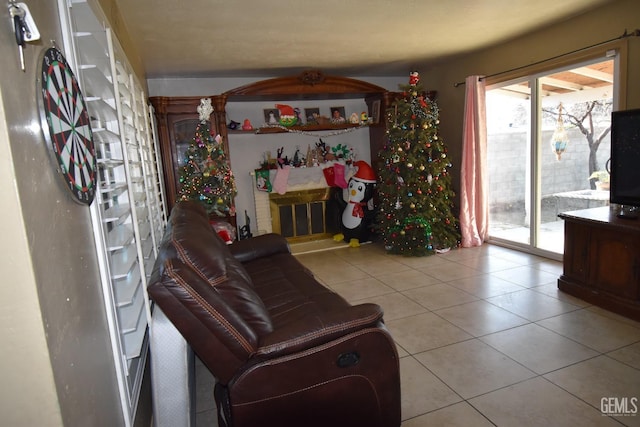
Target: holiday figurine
(288, 115)
(414, 78)
(246, 125)
(358, 213)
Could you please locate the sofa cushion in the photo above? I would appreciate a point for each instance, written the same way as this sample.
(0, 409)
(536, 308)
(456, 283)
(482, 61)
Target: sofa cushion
(217, 333)
(319, 327)
(289, 290)
(195, 243)
(260, 246)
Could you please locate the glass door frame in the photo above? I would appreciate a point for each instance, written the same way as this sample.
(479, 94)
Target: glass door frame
(616, 51)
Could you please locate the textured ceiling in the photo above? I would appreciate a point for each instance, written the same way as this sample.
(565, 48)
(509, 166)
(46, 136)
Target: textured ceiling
(246, 38)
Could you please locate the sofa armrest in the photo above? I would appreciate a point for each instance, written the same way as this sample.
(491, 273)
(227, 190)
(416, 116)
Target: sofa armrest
(314, 330)
(259, 246)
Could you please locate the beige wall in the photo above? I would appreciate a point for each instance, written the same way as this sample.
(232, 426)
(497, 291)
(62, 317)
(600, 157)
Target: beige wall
(26, 370)
(586, 30)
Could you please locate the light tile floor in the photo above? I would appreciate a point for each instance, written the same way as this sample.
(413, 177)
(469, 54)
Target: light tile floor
(485, 338)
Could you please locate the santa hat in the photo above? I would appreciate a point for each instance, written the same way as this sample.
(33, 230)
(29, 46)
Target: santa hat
(285, 110)
(365, 172)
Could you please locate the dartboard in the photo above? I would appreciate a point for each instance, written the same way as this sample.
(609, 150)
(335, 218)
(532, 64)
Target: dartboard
(66, 126)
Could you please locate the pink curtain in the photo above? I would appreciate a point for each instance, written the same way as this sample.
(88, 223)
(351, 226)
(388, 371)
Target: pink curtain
(474, 206)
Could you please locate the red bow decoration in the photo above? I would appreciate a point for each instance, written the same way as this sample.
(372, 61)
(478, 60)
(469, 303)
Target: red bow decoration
(357, 209)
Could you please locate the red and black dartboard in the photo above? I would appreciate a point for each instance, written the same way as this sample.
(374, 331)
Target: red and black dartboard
(66, 126)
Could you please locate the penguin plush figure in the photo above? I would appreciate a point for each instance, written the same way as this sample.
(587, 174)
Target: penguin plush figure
(357, 214)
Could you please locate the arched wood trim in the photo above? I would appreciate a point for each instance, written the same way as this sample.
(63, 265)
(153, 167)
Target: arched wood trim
(309, 84)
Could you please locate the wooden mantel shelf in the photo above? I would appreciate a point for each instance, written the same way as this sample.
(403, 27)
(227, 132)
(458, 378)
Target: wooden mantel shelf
(307, 128)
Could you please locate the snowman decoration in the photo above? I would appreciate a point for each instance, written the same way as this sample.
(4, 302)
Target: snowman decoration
(357, 215)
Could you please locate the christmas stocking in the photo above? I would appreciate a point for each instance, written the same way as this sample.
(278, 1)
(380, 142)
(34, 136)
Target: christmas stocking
(280, 181)
(262, 180)
(338, 170)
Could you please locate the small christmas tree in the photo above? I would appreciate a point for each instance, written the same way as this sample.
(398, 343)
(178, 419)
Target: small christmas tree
(206, 176)
(415, 197)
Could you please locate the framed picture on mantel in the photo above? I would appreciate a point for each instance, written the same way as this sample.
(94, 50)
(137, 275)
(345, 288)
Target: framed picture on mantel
(271, 116)
(338, 116)
(311, 115)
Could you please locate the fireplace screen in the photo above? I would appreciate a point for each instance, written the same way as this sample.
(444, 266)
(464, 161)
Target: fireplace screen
(300, 215)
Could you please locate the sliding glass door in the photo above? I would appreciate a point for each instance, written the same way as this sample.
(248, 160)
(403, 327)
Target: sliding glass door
(548, 138)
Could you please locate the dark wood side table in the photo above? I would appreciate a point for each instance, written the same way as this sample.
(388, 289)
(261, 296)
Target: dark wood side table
(602, 260)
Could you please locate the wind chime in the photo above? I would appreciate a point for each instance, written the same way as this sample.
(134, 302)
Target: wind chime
(560, 139)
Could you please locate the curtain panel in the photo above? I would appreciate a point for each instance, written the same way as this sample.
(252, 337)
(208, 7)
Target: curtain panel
(474, 207)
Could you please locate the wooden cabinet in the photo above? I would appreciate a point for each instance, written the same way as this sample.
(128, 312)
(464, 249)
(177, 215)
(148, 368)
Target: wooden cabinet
(602, 260)
(177, 118)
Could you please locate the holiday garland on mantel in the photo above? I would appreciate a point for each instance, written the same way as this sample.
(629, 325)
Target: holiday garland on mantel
(206, 176)
(414, 185)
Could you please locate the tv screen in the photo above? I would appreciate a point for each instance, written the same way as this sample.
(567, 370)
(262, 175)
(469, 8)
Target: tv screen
(625, 158)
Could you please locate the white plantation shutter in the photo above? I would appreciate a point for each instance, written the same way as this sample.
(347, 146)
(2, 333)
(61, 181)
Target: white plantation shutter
(128, 212)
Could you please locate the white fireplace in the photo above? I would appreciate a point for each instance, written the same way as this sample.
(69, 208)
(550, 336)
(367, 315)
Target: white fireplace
(300, 212)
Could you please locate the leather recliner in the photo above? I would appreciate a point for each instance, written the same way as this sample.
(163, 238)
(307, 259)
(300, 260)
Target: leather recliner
(284, 349)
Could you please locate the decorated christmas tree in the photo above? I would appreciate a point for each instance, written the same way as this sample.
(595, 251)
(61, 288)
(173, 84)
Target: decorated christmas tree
(206, 176)
(415, 197)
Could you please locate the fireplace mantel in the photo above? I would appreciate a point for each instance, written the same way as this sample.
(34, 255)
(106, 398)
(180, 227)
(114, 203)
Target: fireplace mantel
(299, 179)
(302, 178)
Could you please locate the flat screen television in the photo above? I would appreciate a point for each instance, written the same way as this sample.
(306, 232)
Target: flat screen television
(625, 162)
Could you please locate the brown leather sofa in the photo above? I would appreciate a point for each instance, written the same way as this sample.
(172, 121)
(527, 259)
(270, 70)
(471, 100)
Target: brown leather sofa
(285, 350)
